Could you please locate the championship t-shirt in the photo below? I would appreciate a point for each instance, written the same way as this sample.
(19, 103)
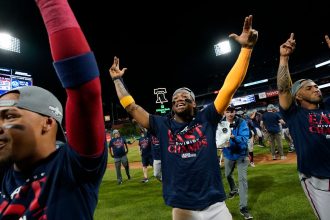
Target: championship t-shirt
(118, 147)
(190, 165)
(62, 186)
(310, 131)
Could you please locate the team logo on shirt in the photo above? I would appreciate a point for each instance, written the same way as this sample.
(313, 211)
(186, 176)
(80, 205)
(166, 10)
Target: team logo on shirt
(187, 142)
(144, 143)
(319, 123)
(154, 140)
(24, 200)
(118, 143)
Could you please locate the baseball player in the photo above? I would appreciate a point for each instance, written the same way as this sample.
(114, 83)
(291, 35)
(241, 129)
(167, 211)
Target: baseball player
(118, 150)
(146, 154)
(308, 119)
(46, 173)
(191, 177)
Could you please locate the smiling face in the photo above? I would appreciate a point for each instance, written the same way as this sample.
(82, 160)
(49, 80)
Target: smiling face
(183, 104)
(20, 131)
(230, 115)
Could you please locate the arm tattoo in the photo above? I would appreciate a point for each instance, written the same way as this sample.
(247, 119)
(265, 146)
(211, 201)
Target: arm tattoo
(120, 88)
(284, 82)
(132, 107)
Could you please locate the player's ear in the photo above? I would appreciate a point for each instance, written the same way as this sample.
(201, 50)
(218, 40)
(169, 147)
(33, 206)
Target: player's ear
(298, 97)
(48, 124)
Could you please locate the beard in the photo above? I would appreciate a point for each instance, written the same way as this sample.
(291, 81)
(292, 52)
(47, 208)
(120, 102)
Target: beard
(186, 114)
(314, 100)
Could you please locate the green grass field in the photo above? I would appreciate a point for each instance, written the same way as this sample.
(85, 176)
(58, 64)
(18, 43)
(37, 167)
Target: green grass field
(274, 193)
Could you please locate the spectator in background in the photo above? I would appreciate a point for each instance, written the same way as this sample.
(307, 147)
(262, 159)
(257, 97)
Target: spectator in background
(256, 116)
(223, 134)
(287, 137)
(308, 118)
(252, 135)
(38, 180)
(155, 152)
(157, 163)
(145, 151)
(271, 123)
(118, 150)
(236, 153)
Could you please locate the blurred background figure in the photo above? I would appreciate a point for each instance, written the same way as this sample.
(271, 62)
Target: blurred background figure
(118, 150)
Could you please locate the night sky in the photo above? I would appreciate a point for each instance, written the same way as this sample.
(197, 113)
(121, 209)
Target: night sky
(166, 45)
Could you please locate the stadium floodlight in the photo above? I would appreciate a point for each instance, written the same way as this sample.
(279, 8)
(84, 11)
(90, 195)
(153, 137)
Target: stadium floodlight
(222, 48)
(255, 82)
(8, 42)
(322, 64)
(324, 86)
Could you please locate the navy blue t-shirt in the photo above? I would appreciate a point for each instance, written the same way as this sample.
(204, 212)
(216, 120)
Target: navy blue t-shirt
(155, 148)
(271, 122)
(190, 165)
(310, 131)
(145, 146)
(118, 147)
(62, 186)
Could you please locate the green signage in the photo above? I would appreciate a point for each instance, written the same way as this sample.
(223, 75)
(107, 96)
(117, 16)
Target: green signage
(162, 109)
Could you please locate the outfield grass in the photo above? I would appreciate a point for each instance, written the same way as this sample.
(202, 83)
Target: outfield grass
(274, 193)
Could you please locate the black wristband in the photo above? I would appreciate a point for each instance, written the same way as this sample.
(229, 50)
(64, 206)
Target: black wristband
(116, 77)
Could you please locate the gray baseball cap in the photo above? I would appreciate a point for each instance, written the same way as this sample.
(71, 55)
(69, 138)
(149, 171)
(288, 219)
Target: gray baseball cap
(115, 132)
(270, 107)
(39, 100)
(298, 84)
(185, 89)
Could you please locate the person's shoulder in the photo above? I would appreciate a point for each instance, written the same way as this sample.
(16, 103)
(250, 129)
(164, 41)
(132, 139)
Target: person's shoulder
(327, 102)
(240, 120)
(158, 118)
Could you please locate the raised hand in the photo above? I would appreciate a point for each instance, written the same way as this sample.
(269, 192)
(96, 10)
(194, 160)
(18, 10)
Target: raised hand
(327, 40)
(288, 47)
(114, 70)
(249, 36)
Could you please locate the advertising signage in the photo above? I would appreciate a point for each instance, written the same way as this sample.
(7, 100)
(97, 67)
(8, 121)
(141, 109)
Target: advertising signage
(10, 79)
(243, 100)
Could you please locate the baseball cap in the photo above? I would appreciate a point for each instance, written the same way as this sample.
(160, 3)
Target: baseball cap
(240, 112)
(249, 113)
(115, 132)
(38, 100)
(231, 107)
(298, 84)
(185, 89)
(270, 107)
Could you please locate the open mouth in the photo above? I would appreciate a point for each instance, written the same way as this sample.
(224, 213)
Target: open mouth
(3, 143)
(180, 106)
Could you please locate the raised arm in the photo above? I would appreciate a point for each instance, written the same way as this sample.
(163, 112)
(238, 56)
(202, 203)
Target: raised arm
(235, 77)
(284, 82)
(126, 100)
(77, 69)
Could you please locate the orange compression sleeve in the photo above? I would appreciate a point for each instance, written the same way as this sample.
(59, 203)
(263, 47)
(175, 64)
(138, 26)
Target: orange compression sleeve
(233, 80)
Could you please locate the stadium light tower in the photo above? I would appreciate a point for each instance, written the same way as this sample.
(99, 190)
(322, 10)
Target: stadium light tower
(8, 42)
(222, 47)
